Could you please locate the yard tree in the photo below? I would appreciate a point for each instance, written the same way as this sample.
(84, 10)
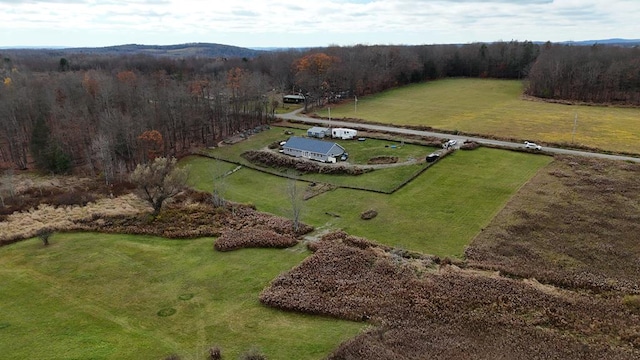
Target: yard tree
(295, 196)
(311, 73)
(153, 143)
(159, 180)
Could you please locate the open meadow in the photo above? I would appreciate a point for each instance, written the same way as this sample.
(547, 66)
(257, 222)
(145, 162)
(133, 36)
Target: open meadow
(99, 296)
(496, 108)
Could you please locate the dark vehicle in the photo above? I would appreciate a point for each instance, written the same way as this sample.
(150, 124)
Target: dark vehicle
(432, 157)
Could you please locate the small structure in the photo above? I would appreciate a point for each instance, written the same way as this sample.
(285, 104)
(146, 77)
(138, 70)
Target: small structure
(319, 150)
(343, 133)
(318, 132)
(293, 98)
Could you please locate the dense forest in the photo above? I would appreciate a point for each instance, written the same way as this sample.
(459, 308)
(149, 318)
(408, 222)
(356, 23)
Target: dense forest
(99, 113)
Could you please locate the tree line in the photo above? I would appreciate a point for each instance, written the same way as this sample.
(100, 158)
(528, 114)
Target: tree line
(593, 74)
(104, 114)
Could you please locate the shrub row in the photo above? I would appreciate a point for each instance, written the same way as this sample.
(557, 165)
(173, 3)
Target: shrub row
(236, 239)
(270, 159)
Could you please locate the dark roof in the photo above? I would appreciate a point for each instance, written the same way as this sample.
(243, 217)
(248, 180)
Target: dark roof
(313, 145)
(318, 129)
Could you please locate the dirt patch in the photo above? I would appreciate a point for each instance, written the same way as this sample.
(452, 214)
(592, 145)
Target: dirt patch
(383, 160)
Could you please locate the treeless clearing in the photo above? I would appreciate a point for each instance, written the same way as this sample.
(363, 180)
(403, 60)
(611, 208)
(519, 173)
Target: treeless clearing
(497, 108)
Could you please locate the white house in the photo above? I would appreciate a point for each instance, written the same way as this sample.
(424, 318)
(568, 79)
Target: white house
(319, 150)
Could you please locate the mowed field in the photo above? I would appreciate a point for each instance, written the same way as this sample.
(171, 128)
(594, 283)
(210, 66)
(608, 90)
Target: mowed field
(437, 213)
(98, 296)
(496, 107)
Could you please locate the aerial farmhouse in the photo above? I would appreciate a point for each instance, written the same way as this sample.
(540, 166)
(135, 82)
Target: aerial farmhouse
(314, 149)
(293, 98)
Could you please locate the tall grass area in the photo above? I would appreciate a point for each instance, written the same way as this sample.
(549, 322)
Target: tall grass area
(437, 213)
(97, 296)
(496, 107)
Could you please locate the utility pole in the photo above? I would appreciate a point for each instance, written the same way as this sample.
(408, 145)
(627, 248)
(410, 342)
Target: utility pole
(356, 104)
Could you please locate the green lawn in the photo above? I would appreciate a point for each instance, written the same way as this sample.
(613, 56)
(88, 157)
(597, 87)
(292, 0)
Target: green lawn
(96, 296)
(359, 154)
(437, 213)
(496, 107)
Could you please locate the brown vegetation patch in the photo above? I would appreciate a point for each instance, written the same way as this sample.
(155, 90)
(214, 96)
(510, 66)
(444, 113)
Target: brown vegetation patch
(383, 160)
(190, 214)
(193, 215)
(270, 159)
(368, 214)
(23, 191)
(243, 238)
(575, 224)
(469, 145)
(423, 312)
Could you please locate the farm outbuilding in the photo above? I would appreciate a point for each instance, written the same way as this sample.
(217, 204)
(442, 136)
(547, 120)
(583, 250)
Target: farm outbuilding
(318, 132)
(293, 98)
(319, 150)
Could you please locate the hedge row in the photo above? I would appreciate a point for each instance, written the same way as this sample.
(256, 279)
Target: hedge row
(270, 159)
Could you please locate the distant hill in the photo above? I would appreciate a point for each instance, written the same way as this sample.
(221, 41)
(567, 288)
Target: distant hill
(613, 42)
(180, 51)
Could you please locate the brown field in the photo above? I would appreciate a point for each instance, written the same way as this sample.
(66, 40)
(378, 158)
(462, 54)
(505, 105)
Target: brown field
(421, 310)
(576, 224)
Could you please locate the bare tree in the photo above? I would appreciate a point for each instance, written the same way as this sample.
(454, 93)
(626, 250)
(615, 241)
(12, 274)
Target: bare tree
(7, 186)
(296, 198)
(218, 175)
(103, 148)
(159, 180)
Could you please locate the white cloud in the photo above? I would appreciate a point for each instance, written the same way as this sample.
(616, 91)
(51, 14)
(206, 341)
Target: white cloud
(311, 23)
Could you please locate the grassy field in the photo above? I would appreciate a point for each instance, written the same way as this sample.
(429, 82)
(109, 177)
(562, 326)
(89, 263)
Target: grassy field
(496, 107)
(359, 154)
(438, 213)
(96, 296)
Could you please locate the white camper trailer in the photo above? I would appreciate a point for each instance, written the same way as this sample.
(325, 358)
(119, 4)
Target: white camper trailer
(343, 133)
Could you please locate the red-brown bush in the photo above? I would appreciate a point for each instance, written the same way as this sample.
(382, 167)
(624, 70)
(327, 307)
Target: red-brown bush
(236, 239)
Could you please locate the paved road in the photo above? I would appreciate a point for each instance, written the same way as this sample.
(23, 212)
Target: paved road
(295, 116)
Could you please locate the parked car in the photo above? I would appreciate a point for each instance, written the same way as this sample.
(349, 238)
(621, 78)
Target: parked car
(344, 157)
(432, 157)
(449, 143)
(532, 145)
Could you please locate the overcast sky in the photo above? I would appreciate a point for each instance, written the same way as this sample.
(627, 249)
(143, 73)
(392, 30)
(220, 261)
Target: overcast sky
(303, 23)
